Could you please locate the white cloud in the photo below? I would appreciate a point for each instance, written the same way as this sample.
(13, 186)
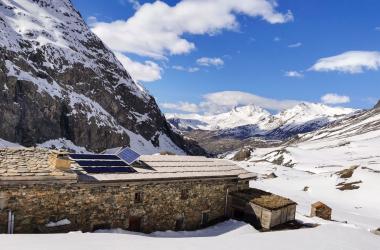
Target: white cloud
(157, 29)
(293, 73)
(219, 102)
(295, 45)
(207, 61)
(276, 39)
(377, 28)
(181, 106)
(187, 69)
(332, 98)
(147, 72)
(352, 62)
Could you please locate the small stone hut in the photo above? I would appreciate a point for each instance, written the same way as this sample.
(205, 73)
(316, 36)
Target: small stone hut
(46, 192)
(321, 210)
(261, 209)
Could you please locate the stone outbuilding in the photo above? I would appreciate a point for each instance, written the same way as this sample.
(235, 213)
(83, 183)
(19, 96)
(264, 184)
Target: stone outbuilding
(43, 191)
(320, 210)
(262, 209)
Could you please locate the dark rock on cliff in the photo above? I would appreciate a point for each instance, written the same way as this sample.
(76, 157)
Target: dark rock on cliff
(58, 80)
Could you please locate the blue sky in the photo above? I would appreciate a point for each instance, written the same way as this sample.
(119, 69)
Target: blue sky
(254, 55)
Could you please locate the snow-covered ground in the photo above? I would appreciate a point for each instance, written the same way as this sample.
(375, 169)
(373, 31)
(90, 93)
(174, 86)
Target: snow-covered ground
(228, 235)
(309, 170)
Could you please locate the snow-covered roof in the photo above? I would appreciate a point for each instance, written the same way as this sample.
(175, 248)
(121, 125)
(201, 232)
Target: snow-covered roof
(160, 167)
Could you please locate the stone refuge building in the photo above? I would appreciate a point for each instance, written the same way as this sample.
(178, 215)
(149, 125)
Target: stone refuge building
(43, 191)
(261, 209)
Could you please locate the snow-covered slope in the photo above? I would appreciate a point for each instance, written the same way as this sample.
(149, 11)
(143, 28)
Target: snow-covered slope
(338, 164)
(59, 81)
(305, 117)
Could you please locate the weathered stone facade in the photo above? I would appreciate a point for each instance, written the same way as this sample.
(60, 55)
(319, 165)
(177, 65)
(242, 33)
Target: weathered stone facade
(94, 206)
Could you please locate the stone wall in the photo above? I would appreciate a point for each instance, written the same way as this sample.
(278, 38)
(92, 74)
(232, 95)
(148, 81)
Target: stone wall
(112, 205)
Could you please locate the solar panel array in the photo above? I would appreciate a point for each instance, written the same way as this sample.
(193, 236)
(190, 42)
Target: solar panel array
(101, 163)
(128, 155)
(93, 157)
(97, 163)
(100, 170)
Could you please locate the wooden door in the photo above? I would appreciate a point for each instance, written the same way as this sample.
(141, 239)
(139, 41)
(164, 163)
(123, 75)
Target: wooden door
(134, 224)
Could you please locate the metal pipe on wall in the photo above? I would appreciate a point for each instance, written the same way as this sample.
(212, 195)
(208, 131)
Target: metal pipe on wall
(11, 222)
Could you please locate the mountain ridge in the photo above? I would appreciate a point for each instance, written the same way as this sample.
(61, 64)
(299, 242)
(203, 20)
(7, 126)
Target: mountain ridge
(244, 127)
(59, 81)
(252, 114)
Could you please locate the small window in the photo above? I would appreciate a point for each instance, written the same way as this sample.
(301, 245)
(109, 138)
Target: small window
(184, 194)
(138, 197)
(179, 224)
(204, 218)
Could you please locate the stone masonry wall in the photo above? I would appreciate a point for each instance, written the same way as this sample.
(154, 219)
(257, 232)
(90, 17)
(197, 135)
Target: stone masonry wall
(94, 206)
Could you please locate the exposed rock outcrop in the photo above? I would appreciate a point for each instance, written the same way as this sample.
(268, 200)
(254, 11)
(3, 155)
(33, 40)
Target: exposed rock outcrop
(58, 80)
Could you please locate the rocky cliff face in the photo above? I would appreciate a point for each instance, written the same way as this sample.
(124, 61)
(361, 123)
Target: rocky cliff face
(58, 80)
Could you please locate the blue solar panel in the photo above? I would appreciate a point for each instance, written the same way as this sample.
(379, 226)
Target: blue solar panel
(102, 163)
(128, 155)
(98, 170)
(93, 157)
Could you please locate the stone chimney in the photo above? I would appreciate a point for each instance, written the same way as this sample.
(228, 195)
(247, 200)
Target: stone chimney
(60, 160)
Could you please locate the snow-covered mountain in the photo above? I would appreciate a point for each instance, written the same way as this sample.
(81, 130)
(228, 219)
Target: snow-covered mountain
(305, 117)
(246, 122)
(238, 116)
(252, 115)
(59, 82)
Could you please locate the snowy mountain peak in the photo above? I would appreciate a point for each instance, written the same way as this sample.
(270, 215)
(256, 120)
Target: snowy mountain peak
(306, 111)
(255, 115)
(238, 116)
(249, 110)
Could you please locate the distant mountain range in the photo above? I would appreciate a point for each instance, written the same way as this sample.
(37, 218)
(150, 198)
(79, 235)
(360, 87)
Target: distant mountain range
(250, 124)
